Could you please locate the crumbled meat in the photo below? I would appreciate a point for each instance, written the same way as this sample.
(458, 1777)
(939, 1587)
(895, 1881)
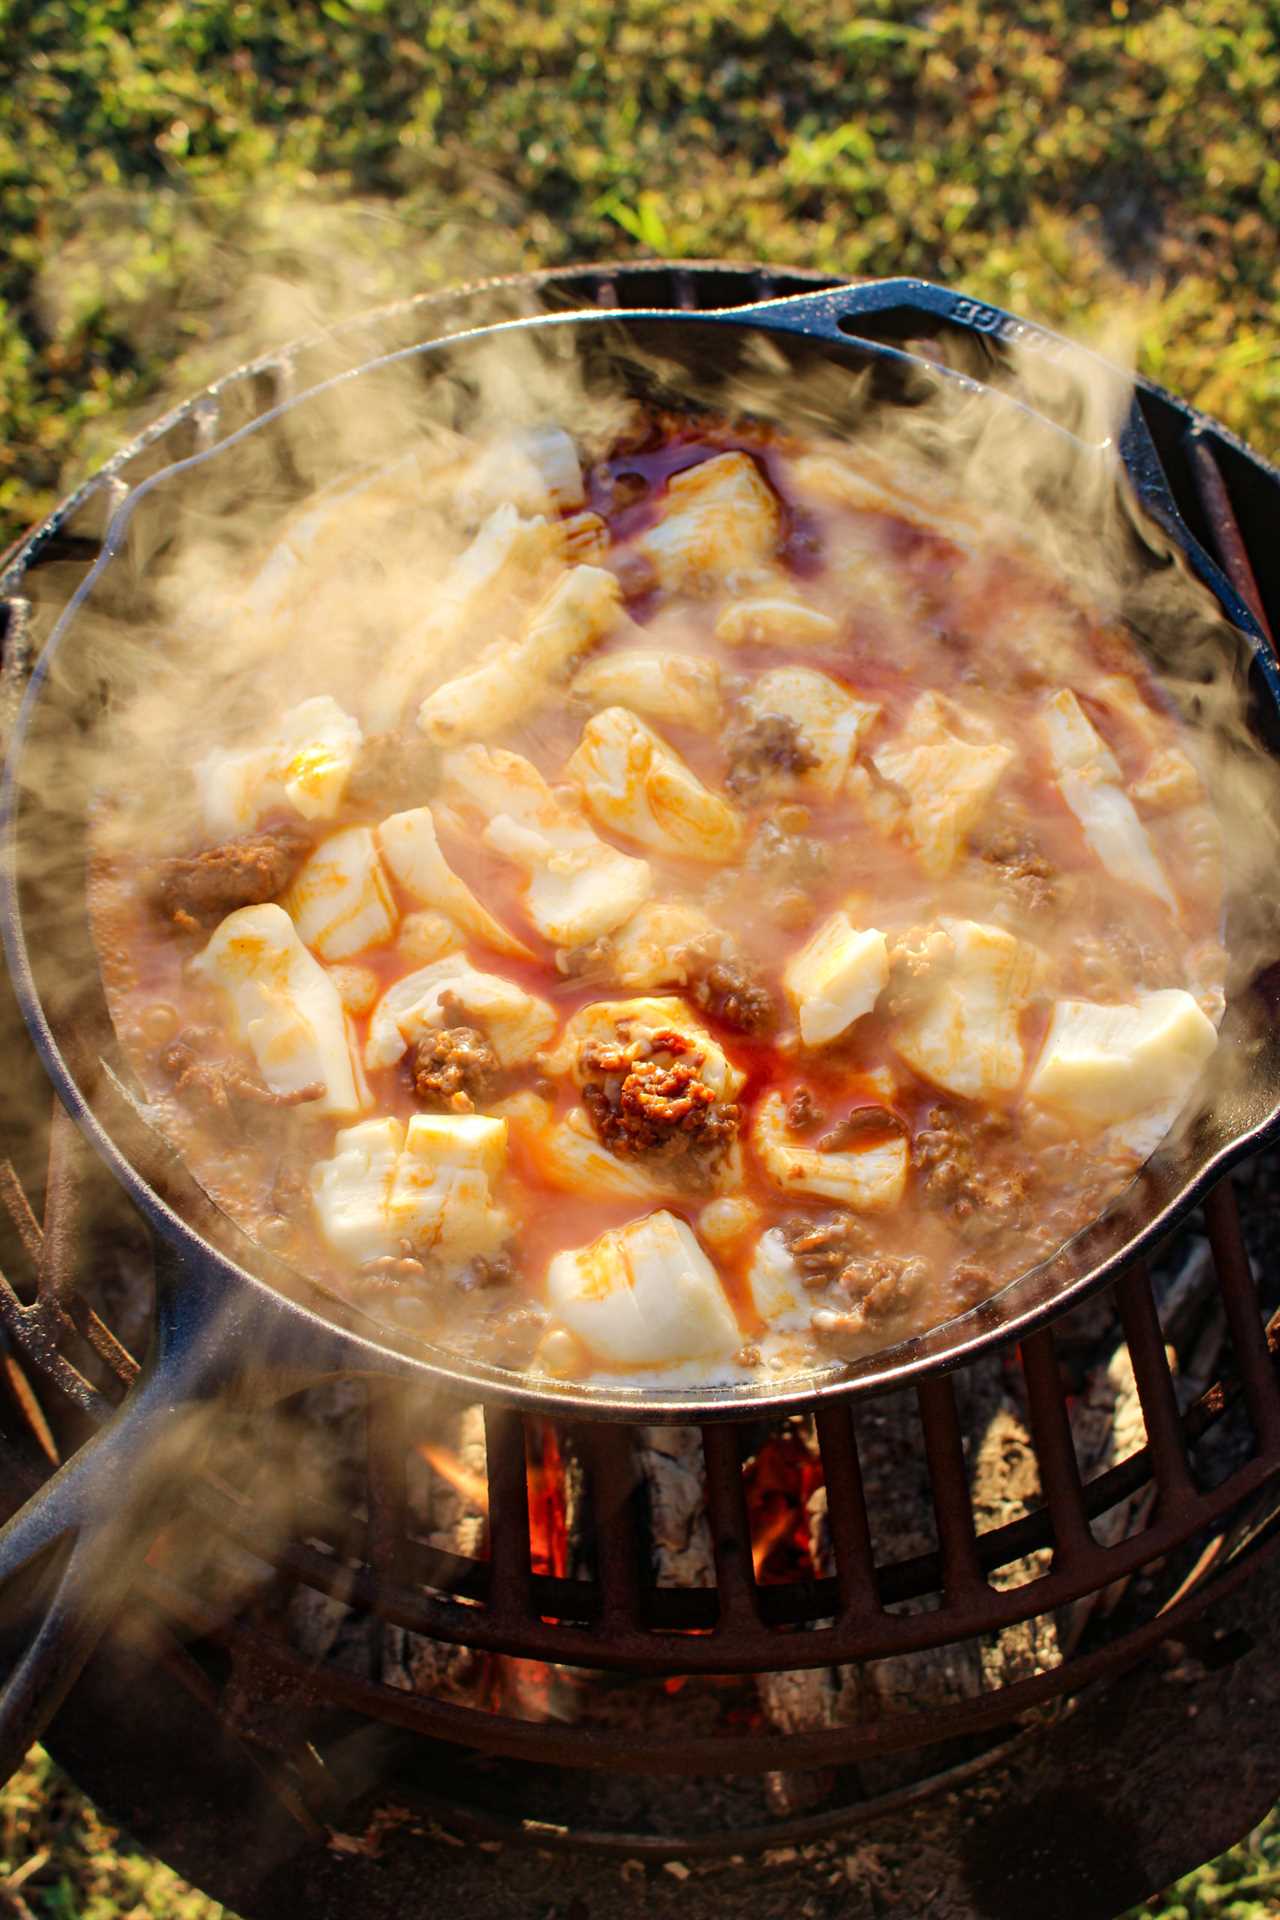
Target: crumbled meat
(454, 1070)
(958, 1157)
(802, 1114)
(879, 1288)
(512, 1335)
(728, 991)
(1022, 867)
(648, 1097)
(771, 744)
(822, 1245)
(1114, 961)
(883, 1283)
(488, 1270)
(970, 1282)
(199, 889)
(393, 771)
(865, 1126)
(787, 857)
(216, 1084)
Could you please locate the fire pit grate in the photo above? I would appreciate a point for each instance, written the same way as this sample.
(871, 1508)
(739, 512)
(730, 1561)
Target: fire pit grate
(855, 1605)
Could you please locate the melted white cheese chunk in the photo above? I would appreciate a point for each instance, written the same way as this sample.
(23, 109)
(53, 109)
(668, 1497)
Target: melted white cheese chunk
(869, 1179)
(965, 1034)
(644, 1295)
(412, 852)
(304, 764)
(284, 1005)
(945, 780)
(351, 1191)
(717, 517)
(636, 784)
(778, 1292)
(514, 677)
(515, 1023)
(681, 688)
(1089, 781)
(772, 618)
(577, 887)
(830, 722)
(1107, 1064)
(836, 978)
(339, 900)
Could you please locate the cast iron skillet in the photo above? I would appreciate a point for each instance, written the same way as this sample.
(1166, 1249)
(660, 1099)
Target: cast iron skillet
(235, 1326)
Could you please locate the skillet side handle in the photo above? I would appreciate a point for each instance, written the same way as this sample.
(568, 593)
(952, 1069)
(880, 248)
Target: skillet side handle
(97, 1517)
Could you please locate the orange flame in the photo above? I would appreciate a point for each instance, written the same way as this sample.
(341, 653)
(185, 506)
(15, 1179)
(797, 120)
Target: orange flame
(779, 1484)
(472, 1487)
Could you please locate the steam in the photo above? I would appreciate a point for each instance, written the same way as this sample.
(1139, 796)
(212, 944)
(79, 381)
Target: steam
(314, 554)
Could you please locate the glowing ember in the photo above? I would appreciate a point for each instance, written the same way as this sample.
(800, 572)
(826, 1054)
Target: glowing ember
(779, 1483)
(471, 1487)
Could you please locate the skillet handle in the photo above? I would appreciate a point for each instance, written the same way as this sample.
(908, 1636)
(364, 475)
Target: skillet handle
(97, 1517)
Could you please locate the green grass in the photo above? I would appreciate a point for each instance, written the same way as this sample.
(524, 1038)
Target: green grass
(188, 181)
(169, 167)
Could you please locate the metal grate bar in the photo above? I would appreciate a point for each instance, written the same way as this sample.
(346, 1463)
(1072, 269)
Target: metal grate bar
(1240, 1301)
(730, 1528)
(1142, 1330)
(510, 1574)
(1055, 1451)
(847, 1513)
(387, 1480)
(614, 1487)
(962, 1575)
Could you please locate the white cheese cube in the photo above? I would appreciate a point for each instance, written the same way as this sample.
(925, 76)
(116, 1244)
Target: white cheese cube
(428, 1186)
(352, 1191)
(637, 785)
(684, 688)
(717, 517)
(1089, 781)
(966, 1034)
(1107, 1064)
(515, 1023)
(440, 1200)
(946, 781)
(829, 721)
(644, 1295)
(412, 852)
(304, 764)
(339, 899)
(836, 977)
(284, 1005)
(870, 1179)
